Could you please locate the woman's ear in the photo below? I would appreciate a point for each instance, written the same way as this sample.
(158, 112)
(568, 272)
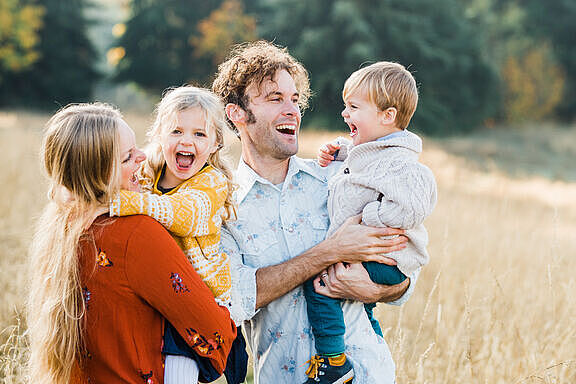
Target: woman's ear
(235, 113)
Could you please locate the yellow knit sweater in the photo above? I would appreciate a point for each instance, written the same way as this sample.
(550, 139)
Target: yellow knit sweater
(193, 213)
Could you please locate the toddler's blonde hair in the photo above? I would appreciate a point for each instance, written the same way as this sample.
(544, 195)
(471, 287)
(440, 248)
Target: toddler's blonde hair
(386, 84)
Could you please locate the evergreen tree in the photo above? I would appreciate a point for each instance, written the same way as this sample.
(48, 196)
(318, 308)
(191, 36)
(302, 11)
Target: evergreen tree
(64, 72)
(164, 45)
(433, 38)
(20, 22)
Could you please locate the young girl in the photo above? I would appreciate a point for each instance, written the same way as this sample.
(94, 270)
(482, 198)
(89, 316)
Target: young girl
(188, 189)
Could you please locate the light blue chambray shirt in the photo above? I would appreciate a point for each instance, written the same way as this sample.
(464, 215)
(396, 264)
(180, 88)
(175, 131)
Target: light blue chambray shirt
(275, 225)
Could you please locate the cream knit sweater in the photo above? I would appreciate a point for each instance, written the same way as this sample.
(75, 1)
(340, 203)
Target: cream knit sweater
(387, 168)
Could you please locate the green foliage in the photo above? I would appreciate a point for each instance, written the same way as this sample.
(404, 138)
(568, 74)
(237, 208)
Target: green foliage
(554, 20)
(169, 43)
(433, 38)
(533, 85)
(19, 25)
(224, 27)
(64, 71)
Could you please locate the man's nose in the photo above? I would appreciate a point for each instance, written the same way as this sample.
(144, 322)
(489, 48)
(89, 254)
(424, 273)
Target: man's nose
(291, 108)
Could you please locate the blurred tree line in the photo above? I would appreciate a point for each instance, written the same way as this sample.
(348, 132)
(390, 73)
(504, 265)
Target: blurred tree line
(476, 62)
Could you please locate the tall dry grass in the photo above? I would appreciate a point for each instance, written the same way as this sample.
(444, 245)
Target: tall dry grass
(495, 305)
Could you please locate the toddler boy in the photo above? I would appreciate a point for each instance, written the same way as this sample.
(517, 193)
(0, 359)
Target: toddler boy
(381, 179)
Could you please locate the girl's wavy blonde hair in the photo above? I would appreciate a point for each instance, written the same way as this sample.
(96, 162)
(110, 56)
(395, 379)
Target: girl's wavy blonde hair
(176, 100)
(81, 156)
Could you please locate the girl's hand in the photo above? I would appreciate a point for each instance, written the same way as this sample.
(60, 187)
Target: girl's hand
(326, 152)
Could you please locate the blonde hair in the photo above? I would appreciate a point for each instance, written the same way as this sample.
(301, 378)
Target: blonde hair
(252, 63)
(176, 100)
(81, 156)
(386, 84)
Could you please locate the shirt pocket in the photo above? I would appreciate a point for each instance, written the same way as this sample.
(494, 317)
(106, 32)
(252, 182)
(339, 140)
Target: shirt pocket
(260, 249)
(320, 226)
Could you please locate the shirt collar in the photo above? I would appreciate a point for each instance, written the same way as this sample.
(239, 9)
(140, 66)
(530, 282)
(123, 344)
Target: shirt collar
(393, 135)
(246, 177)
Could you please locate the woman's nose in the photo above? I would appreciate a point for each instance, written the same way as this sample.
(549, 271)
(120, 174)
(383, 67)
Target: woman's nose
(140, 156)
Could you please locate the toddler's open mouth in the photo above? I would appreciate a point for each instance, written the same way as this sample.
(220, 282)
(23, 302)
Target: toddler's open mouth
(353, 130)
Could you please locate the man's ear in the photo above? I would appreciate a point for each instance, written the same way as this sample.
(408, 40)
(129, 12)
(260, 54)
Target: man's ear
(388, 116)
(235, 113)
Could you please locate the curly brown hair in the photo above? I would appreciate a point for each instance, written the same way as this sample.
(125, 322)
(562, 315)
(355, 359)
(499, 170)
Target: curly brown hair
(252, 63)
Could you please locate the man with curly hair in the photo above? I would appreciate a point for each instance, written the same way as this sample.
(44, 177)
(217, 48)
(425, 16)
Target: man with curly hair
(278, 241)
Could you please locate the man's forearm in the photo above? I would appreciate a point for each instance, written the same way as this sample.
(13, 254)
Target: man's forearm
(351, 243)
(277, 280)
(388, 293)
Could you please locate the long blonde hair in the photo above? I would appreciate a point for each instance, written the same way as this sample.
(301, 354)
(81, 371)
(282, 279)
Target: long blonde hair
(81, 156)
(177, 100)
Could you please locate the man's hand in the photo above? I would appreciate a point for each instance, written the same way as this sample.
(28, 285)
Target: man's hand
(325, 154)
(353, 242)
(353, 282)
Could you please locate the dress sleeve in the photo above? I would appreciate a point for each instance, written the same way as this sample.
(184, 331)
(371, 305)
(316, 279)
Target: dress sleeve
(190, 211)
(174, 289)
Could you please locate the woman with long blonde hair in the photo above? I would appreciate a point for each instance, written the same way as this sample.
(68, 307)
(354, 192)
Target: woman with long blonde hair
(99, 294)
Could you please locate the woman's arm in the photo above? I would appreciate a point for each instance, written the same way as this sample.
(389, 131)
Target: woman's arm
(173, 288)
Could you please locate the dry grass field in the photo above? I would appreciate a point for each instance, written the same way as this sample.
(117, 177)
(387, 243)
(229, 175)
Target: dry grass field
(496, 304)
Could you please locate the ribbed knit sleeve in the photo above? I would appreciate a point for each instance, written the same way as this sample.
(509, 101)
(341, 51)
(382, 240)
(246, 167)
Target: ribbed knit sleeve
(194, 209)
(344, 144)
(172, 287)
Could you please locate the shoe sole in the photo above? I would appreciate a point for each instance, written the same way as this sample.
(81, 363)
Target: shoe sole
(346, 379)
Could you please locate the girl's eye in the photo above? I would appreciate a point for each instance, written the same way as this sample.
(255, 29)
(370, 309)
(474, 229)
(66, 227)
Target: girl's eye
(200, 134)
(175, 131)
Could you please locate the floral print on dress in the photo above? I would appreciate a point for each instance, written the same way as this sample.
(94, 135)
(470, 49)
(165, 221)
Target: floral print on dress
(103, 260)
(202, 344)
(147, 377)
(86, 295)
(177, 283)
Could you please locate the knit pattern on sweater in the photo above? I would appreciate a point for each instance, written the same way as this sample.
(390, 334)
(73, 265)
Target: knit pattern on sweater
(383, 181)
(193, 213)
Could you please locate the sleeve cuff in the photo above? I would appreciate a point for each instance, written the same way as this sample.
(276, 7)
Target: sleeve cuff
(404, 298)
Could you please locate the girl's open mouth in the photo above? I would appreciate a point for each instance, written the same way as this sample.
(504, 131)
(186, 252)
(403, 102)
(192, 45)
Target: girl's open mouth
(184, 160)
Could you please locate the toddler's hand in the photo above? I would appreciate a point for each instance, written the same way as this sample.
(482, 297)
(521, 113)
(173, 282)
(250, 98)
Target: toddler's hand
(326, 152)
